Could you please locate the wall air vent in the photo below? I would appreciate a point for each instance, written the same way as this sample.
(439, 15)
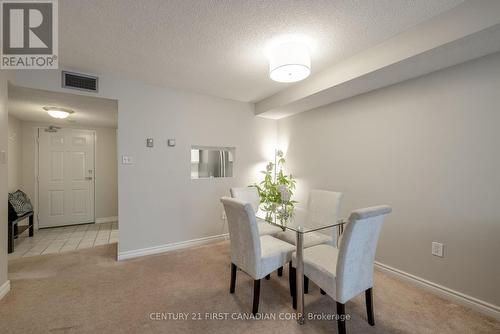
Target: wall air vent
(79, 81)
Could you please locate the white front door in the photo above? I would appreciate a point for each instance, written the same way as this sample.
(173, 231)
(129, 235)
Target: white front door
(65, 177)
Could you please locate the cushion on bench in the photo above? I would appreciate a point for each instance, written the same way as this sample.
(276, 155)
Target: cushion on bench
(20, 203)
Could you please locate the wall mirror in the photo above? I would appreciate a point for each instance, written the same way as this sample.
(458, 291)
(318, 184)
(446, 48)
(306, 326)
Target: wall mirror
(211, 162)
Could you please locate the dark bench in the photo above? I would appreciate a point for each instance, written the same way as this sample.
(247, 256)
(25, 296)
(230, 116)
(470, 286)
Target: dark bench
(14, 229)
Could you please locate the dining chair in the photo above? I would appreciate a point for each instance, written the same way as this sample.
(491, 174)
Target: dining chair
(256, 255)
(322, 209)
(347, 271)
(251, 195)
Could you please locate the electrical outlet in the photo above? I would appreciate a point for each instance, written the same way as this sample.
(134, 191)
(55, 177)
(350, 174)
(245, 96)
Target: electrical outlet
(437, 249)
(223, 216)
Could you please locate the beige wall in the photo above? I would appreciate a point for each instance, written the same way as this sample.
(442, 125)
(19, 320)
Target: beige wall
(15, 174)
(428, 147)
(106, 185)
(3, 181)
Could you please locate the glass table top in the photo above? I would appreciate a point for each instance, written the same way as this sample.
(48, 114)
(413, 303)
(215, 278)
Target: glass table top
(297, 222)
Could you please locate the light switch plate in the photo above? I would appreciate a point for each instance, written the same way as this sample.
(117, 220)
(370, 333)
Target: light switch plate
(127, 160)
(437, 249)
(171, 142)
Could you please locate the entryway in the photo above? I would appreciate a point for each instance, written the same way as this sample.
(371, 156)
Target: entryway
(67, 168)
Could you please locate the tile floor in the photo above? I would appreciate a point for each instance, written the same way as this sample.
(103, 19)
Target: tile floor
(62, 239)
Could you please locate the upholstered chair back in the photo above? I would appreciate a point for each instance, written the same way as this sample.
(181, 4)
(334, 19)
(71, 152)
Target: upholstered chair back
(323, 208)
(357, 251)
(243, 233)
(247, 194)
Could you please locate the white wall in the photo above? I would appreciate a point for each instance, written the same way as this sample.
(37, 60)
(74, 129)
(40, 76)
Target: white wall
(15, 154)
(3, 183)
(159, 204)
(428, 147)
(106, 168)
(106, 173)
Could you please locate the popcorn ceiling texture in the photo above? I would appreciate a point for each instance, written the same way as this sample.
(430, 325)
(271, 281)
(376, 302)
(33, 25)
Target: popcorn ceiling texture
(216, 47)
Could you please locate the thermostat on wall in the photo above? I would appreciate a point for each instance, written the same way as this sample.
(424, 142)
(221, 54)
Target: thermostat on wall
(171, 142)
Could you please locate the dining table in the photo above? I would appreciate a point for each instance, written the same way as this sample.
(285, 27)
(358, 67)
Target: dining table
(300, 223)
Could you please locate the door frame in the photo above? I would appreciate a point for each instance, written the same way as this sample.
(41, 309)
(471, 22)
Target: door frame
(37, 175)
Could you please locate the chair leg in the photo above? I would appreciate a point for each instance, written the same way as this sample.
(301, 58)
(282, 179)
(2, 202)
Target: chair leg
(256, 295)
(322, 291)
(290, 268)
(341, 319)
(306, 284)
(280, 271)
(268, 277)
(369, 306)
(233, 278)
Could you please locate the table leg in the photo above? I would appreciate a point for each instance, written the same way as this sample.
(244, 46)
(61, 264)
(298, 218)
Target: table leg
(300, 278)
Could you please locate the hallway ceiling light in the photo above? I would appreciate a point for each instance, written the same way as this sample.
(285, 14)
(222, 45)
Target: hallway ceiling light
(57, 112)
(289, 61)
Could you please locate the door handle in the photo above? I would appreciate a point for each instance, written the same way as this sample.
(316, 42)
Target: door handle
(89, 178)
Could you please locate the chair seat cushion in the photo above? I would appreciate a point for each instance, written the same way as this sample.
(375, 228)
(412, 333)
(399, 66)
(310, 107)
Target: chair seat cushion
(310, 239)
(267, 229)
(320, 265)
(274, 254)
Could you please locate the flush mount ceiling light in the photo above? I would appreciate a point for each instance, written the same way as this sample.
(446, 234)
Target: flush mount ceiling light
(289, 61)
(58, 112)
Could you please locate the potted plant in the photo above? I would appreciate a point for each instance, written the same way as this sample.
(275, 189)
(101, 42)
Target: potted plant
(276, 190)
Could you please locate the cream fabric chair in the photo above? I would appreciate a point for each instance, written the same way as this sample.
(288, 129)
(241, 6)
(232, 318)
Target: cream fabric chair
(322, 208)
(345, 272)
(256, 255)
(251, 195)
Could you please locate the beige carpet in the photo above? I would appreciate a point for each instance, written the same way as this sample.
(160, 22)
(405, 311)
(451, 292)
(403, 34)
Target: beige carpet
(87, 291)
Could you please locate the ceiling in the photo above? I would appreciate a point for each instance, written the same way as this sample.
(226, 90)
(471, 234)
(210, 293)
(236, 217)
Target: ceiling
(27, 103)
(216, 47)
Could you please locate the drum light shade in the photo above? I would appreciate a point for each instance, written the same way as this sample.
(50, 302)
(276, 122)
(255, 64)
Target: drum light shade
(289, 62)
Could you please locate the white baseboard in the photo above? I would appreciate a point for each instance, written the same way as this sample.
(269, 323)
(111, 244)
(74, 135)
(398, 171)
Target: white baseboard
(106, 220)
(4, 289)
(170, 247)
(455, 296)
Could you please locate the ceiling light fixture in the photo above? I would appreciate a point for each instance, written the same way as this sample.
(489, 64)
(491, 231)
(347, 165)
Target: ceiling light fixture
(57, 112)
(289, 61)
